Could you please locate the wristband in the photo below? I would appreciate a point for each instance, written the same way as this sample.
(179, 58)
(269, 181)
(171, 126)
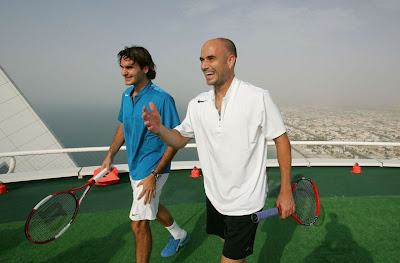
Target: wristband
(156, 175)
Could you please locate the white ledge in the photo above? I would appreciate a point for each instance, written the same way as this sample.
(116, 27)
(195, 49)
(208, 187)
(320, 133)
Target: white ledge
(188, 165)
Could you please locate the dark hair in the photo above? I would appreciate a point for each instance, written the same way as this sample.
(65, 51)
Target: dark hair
(141, 56)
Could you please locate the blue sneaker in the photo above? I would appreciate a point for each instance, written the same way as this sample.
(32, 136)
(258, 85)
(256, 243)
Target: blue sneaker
(173, 245)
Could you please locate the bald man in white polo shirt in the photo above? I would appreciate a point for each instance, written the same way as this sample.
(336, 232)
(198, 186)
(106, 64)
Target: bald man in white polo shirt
(231, 124)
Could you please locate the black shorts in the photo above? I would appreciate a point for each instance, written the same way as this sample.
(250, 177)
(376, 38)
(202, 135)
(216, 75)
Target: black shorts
(239, 232)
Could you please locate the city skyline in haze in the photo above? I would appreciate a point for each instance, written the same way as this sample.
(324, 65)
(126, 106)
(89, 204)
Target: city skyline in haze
(63, 54)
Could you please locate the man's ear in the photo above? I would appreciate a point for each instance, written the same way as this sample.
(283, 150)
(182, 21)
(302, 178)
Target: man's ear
(146, 69)
(231, 61)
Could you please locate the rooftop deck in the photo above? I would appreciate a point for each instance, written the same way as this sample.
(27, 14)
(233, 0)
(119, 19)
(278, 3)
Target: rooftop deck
(358, 221)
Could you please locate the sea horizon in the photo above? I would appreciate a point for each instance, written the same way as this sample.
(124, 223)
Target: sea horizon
(96, 128)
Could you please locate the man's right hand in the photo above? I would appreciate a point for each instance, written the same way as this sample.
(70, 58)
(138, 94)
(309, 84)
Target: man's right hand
(152, 120)
(107, 164)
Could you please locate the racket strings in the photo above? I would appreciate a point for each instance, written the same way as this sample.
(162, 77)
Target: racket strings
(52, 216)
(305, 201)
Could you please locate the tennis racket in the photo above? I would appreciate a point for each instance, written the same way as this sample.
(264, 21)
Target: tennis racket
(306, 199)
(52, 216)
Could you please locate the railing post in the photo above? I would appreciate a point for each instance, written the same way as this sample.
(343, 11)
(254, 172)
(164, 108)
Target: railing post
(13, 163)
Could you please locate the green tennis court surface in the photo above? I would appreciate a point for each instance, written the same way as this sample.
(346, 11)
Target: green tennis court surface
(359, 222)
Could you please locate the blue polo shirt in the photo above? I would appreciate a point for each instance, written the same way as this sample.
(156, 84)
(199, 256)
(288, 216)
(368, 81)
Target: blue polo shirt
(145, 149)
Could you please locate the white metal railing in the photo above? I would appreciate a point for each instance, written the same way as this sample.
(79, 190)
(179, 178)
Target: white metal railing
(193, 145)
(190, 145)
(349, 143)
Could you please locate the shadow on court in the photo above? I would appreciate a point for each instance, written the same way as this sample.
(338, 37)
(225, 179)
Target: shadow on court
(11, 238)
(279, 232)
(338, 245)
(95, 250)
(197, 238)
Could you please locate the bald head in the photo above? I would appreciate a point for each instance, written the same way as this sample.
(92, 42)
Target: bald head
(218, 58)
(226, 43)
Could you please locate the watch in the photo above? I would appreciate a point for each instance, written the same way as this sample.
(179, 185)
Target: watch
(156, 175)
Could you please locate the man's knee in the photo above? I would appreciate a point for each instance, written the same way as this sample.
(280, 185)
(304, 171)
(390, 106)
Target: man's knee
(140, 227)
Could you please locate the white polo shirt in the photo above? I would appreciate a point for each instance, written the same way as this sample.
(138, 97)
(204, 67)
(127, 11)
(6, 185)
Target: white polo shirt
(232, 148)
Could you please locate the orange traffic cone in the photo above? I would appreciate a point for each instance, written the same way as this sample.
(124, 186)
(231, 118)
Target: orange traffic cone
(3, 188)
(356, 169)
(195, 172)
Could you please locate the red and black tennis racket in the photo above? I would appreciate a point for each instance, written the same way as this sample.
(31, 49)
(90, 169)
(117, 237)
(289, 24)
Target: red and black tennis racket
(306, 199)
(52, 216)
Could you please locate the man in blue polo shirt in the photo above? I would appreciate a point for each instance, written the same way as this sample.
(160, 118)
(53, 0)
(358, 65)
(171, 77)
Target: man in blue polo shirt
(149, 158)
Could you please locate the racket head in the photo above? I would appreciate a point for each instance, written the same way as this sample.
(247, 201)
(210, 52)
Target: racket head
(306, 198)
(51, 217)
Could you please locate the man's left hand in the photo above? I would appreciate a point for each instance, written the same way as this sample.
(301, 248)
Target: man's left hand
(285, 202)
(149, 188)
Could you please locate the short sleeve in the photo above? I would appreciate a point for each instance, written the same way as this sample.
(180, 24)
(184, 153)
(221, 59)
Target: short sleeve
(272, 124)
(186, 127)
(169, 114)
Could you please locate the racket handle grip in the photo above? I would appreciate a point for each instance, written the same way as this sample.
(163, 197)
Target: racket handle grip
(101, 174)
(256, 217)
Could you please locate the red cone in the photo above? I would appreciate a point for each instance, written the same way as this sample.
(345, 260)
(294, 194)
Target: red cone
(356, 169)
(195, 172)
(3, 188)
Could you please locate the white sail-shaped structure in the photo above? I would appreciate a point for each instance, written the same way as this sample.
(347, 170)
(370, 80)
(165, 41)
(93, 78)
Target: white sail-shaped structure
(21, 129)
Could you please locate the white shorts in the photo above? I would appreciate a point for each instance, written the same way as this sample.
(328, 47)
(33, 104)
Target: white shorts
(140, 211)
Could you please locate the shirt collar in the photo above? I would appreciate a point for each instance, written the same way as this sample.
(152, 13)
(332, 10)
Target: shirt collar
(144, 90)
(232, 88)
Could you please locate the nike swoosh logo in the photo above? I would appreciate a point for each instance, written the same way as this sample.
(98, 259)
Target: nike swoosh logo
(201, 101)
(126, 95)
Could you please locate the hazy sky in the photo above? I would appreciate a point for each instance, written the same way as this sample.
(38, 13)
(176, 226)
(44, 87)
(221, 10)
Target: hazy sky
(63, 53)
